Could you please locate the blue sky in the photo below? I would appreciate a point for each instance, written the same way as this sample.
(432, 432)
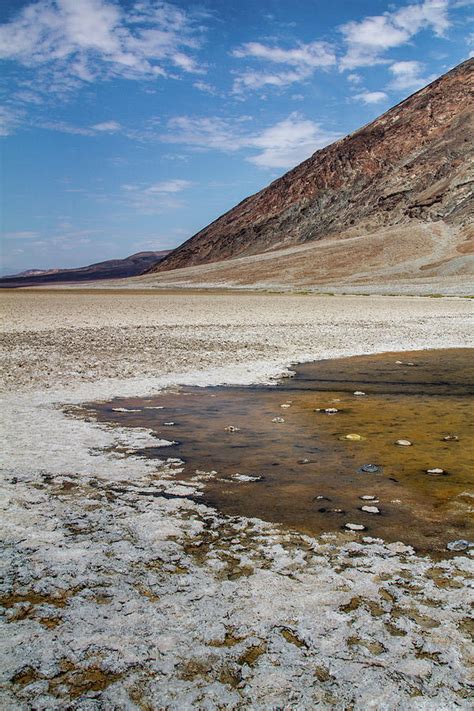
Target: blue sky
(128, 126)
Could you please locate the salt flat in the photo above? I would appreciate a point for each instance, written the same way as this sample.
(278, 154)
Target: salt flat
(117, 597)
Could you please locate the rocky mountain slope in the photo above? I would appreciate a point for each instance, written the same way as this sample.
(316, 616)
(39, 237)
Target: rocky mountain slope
(411, 166)
(134, 265)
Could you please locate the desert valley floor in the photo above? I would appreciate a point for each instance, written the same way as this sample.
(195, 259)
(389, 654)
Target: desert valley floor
(122, 591)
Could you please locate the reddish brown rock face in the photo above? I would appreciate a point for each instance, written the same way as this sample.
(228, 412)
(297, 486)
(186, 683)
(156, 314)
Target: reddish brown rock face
(413, 163)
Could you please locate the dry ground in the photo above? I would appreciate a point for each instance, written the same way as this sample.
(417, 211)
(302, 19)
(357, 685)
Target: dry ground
(420, 259)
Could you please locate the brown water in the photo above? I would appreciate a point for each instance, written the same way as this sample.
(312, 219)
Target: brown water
(307, 455)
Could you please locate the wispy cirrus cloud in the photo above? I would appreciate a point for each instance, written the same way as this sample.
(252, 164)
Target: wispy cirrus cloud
(67, 43)
(281, 145)
(156, 198)
(94, 130)
(282, 66)
(367, 40)
(10, 118)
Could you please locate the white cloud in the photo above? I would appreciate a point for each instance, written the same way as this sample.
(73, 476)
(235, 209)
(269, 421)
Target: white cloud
(409, 75)
(367, 40)
(282, 145)
(354, 78)
(64, 127)
(205, 87)
(69, 42)
(371, 97)
(289, 142)
(314, 54)
(107, 127)
(299, 63)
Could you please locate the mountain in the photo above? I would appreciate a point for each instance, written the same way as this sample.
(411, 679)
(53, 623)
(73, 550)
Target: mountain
(134, 265)
(411, 168)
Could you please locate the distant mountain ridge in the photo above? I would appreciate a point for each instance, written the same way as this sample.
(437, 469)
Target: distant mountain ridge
(412, 165)
(134, 265)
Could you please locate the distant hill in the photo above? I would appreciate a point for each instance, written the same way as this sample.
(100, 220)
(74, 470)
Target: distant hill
(410, 169)
(134, 265)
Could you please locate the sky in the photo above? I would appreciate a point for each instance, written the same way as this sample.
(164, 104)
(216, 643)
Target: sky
(129, 125)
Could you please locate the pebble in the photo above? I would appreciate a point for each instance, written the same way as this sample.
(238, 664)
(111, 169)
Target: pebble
(321, 498)
(354, 527)
(353, 437)
(304, 461)
(370, 468)
(278, 419)
(338, 511)
(399, 362)
(246, 477)
(460, 545)
(331, 410)
(435, 472)
(367, 497)
(403, 442)
(359, 392)
(169, 424)
(451, 438)
(231, 428)
(370, 509)
(285, 405)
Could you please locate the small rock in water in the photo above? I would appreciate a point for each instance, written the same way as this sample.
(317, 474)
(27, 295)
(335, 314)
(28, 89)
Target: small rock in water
(331, 410)
(285, 405)
(399, 362)
(370, 509)
(435, 472)
(411, 363)
(367, 497)
(169, 424)
(370, 468)
(359, 392)
(354, 527)
(231, 428)
(403, 442)
(353, 437)
(123, 409)
(321, 498)
(303, 461)
(338, 511)
(246, 477)
(278, 419)
(450, 438)
(460, 545)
